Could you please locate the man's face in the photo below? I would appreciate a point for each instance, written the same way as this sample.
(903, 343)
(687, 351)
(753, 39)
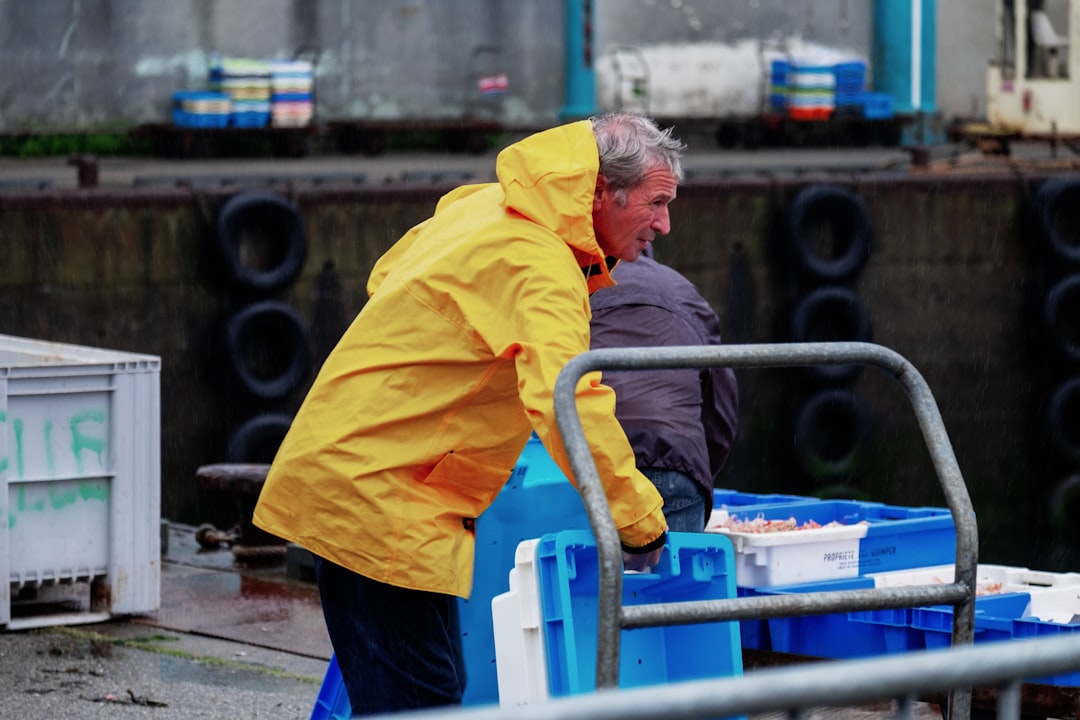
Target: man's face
(625, 229)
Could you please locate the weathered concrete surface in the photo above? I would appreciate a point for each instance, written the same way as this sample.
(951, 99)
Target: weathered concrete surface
(116, 63)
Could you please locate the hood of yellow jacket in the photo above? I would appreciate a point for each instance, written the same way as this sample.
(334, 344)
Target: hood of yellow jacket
(550, 178)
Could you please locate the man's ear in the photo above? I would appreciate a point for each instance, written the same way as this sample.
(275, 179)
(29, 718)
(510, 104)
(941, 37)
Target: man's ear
(601, 186)
(598, 192)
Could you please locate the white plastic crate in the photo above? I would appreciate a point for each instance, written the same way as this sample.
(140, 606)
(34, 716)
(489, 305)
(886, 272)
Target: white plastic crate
(792, 557)
(80, 471)
(989, 579)
(519, 639)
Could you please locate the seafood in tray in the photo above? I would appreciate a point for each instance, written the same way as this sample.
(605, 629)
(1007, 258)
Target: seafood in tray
(771, 552)
(723, 521)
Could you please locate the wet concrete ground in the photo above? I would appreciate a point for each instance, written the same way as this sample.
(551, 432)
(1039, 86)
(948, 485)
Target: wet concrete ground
(227, 642)
(213, 594)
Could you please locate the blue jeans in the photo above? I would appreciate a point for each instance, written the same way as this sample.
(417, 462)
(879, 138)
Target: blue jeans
(398, 649)
(684, 504)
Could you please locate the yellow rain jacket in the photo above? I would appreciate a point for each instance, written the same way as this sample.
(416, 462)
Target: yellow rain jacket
(418, 416)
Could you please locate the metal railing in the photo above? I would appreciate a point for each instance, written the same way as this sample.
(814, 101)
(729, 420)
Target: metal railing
(797, 689)
(613, 617)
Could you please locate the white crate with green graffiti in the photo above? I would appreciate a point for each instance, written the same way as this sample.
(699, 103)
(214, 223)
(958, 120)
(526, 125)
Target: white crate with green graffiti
(80, 474)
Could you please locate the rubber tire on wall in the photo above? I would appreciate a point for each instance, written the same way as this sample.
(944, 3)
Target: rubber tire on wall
(839, 309)
(1063, 501)
(257, 439)
(1059, 198)
(286, 329)
(272, 220)
(846, 215)
(1062, 315)
(1063, 419)
(816, 438)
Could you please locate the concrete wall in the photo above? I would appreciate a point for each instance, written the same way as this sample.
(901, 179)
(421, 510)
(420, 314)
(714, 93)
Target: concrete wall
(85, 64)
(953, 283)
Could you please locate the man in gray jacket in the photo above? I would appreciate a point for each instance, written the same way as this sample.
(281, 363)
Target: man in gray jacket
(681, 423)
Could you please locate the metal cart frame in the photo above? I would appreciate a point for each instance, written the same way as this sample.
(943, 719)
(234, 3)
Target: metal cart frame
(613, 617)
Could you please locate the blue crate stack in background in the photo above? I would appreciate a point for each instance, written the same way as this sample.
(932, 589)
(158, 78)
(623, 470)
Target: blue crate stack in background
(292, 93)
(778, 85)
(806, 89)
(811, 91)
(249, 93)
(850, 85)
(852, 95)
(201, 109)
(247, 83)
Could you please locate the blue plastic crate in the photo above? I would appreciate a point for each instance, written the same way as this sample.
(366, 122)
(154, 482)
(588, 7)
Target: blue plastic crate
(869, 633)
(200, 109)
(852, 98)
(293, 97)
(837, 636)
(850, 75)
(735, 499)
(1039, 613)
(1026, 627)
(695, 566)
(199, 96)
(249, 119)
(753, 634)
(897, 537)
(877, 106)
(778, 84)
(333, 701)
(537, 499)
(199, 120)
(993, 619)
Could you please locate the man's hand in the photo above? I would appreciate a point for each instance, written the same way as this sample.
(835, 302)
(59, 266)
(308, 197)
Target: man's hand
(643, 562)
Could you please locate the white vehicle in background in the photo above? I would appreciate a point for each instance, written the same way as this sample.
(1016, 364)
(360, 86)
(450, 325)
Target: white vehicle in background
(1033, 82)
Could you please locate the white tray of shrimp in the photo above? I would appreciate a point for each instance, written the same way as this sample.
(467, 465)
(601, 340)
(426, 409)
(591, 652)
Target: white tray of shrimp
(770, 553)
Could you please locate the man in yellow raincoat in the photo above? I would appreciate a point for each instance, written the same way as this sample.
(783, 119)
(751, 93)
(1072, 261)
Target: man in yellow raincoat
(418, 416)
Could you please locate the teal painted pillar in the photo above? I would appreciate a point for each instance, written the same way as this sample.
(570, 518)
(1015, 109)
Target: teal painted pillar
(904, 57)
(580, 73)
(905, 63)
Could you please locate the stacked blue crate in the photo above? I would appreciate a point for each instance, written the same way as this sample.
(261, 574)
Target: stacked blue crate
(247, 83)
(877, 105)
(896, 538)
(1021, 604)
(836, 636)
(1010, 603)
(869, 633)
(778, 85)
(561, 580)
(200, 109)
(811, 91)
(292, 93)
(852, 96)
(850, 84)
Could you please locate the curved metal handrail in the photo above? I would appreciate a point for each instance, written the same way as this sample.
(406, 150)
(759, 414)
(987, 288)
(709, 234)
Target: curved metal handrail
(613, 617)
